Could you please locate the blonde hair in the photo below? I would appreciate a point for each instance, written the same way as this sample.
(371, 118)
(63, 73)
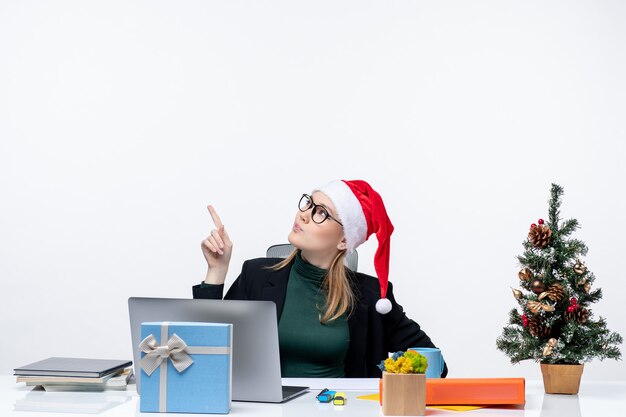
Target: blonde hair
(336, 287)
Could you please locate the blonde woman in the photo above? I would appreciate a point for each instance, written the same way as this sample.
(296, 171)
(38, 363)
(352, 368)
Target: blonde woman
(332, 322)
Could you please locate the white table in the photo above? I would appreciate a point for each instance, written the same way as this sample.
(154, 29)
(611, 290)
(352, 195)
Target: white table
(595, 399)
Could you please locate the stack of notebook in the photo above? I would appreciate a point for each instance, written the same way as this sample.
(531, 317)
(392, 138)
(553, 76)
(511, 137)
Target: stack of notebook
(76, 374)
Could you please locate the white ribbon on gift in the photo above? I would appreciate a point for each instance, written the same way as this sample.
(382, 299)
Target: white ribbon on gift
(177, 351)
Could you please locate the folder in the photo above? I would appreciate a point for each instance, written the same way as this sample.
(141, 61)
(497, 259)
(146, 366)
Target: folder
(475, 391)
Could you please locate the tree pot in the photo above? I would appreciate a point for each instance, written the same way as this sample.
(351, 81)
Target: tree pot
(403, 394)
(561, 379)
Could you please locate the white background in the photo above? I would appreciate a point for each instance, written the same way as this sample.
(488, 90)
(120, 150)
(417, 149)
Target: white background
(121, 120)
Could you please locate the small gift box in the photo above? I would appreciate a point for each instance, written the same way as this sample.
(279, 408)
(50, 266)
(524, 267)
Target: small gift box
(186, 367)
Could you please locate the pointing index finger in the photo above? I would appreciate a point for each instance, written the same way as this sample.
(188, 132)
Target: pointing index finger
(215, 217)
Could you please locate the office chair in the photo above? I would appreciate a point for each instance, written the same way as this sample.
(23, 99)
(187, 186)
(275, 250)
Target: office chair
(351, 260)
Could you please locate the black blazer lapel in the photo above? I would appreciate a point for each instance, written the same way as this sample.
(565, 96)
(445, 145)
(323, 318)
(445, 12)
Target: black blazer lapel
(276, 289)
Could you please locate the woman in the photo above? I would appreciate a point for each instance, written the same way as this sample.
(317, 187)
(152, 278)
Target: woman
(332, 322)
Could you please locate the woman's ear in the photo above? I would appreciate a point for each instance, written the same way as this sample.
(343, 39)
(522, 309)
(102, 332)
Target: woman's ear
(342, 245)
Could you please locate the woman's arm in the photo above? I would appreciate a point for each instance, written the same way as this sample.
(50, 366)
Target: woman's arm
(208, 291)
(237, 291)
(217, 249)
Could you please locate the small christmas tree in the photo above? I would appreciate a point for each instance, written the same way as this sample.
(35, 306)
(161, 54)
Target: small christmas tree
(554, 323)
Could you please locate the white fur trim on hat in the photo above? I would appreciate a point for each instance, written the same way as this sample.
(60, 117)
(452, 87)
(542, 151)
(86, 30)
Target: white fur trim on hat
(349, 211)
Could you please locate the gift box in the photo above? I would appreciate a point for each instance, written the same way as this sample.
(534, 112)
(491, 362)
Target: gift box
(186, 367)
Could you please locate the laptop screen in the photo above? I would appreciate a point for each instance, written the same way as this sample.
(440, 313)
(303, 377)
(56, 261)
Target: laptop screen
(256, 357)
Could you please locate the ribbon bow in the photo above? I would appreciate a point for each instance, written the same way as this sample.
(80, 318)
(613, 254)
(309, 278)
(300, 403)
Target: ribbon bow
(175, 349)
(535, 306)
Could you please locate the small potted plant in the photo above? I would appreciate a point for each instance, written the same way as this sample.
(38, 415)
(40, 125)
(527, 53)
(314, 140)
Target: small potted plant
(553, 323)
(403, 389)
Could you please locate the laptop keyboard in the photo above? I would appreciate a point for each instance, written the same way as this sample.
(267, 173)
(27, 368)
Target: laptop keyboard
(289, 391)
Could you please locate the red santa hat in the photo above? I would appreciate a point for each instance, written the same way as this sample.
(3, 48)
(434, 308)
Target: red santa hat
(362, 212)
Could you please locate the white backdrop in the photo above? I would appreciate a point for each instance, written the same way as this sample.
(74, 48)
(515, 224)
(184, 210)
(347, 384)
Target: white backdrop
(121, 120)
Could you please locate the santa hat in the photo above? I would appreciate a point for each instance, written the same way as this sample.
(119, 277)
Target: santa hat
(362, 212)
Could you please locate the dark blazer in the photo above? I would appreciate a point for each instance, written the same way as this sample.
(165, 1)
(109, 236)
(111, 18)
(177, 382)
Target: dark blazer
(372, 335)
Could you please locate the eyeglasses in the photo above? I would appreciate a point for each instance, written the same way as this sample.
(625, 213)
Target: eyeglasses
(319, 214)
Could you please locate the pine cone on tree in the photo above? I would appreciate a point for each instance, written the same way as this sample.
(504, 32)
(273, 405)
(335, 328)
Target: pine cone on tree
(537, 327)
(581, 315)
(554, 292)
(539, 235)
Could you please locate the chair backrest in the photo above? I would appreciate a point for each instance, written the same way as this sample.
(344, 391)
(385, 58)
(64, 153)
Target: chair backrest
(283, 250)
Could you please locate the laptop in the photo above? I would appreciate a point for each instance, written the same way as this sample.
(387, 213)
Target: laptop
(256, 357)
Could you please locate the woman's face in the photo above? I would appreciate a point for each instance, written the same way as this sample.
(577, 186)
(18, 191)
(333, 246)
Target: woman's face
(309, 236)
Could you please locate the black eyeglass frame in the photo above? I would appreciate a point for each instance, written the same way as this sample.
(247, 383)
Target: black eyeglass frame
(314, 206)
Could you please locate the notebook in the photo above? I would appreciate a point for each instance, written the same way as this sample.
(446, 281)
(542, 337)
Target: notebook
(256, 357)
(76, 367)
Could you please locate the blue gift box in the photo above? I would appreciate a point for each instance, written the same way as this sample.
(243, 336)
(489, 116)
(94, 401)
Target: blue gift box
(186, 367)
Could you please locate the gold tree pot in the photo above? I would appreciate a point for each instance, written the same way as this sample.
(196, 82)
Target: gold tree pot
(561, 379)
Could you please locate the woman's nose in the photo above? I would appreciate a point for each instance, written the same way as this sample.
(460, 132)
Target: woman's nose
(305, 216)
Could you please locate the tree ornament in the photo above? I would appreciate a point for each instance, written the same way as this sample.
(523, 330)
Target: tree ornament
(535, 307)
(524, 320)
(540, 221)
(537, 286)
(547, 350)
(579, 267)
(580, 315)
(516, 293)
(540, 235)
(555, 292)
(525, 274)
(586, 285)
(537, 327)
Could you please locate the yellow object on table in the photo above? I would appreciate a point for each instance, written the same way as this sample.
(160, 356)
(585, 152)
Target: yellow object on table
(376, 397)
(339, 398)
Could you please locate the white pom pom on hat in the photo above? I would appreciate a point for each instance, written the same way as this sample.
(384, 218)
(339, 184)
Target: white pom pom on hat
(362, 212)
(383, 306)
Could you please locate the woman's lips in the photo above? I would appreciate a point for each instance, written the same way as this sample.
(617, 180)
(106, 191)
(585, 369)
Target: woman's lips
(296, 227)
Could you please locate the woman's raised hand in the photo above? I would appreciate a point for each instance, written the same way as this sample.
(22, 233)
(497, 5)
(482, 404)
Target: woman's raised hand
(217, 249)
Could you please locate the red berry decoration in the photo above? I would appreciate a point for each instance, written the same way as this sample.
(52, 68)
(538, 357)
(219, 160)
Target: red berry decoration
(573, 301)
(525, 320)
(540, 221)
(571, 309)
(532, 226)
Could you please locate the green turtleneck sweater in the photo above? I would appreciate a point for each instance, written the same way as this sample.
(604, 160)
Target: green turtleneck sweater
(308, 348)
